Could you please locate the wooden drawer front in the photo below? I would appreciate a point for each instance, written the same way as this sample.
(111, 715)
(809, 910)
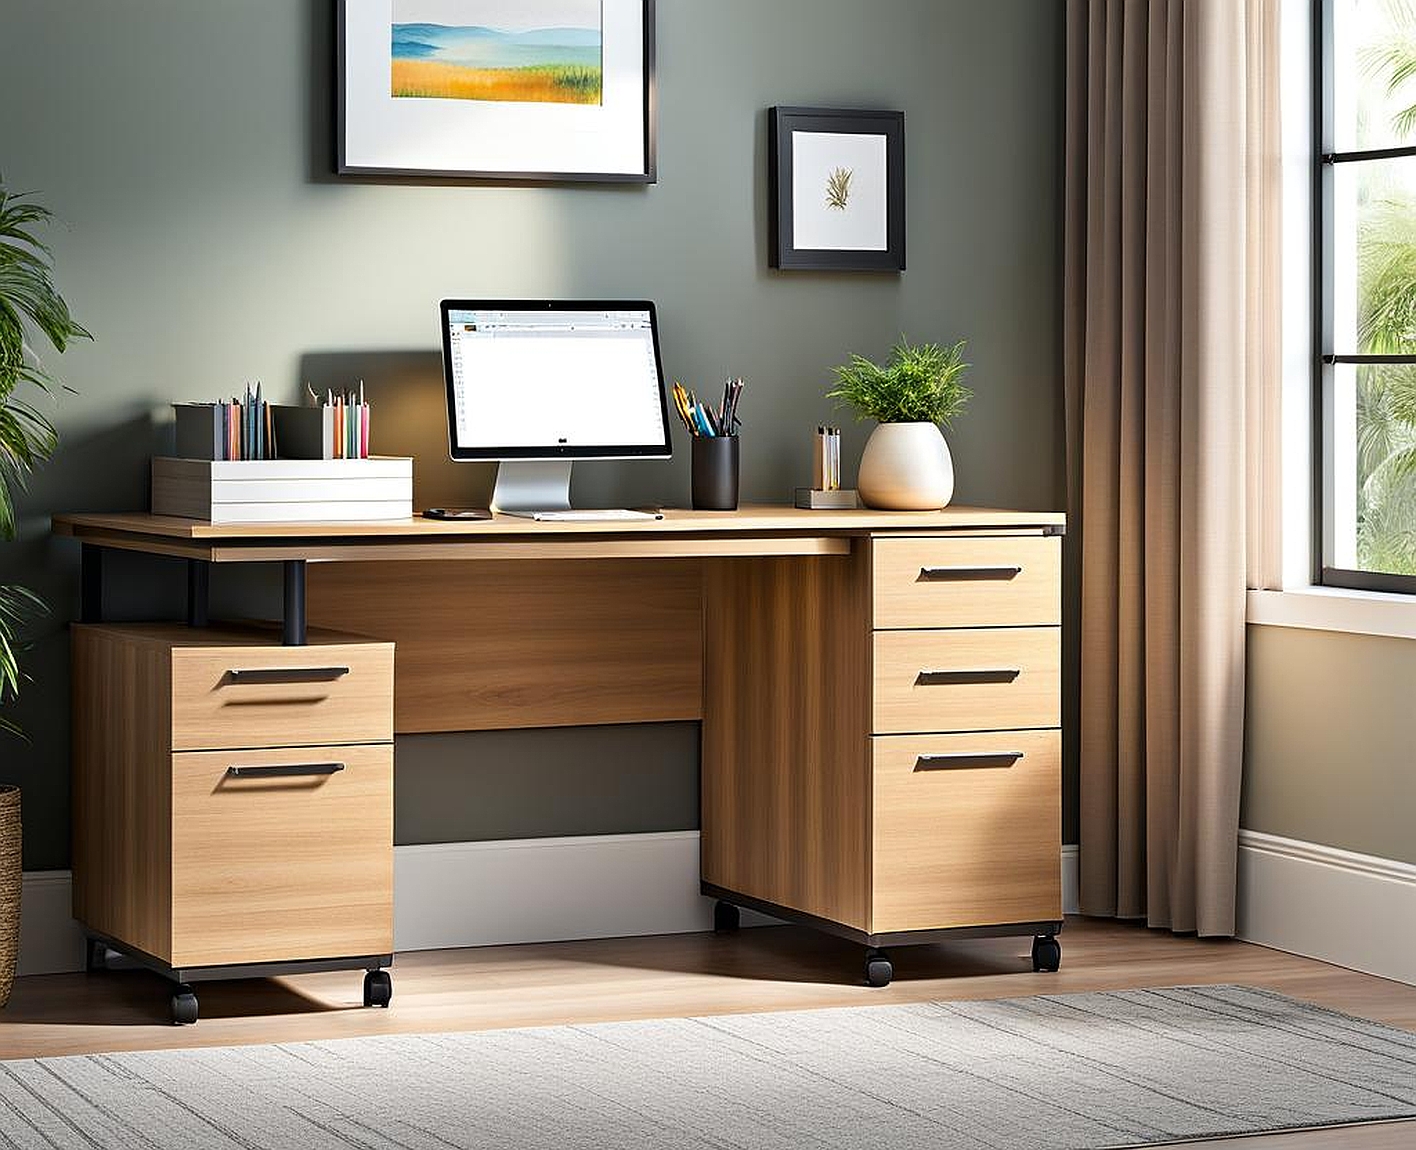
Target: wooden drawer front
(224, 697)
(965, 833)
(274, 869)
(967, 680)
(1004, 582)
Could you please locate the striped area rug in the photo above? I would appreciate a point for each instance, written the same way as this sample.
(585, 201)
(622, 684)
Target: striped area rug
(1065, 1072)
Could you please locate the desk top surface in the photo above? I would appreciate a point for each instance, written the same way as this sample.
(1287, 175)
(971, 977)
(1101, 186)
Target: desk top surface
(747, 520)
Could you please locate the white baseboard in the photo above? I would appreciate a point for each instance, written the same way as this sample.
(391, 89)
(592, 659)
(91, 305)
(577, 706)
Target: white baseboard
(479, 894)
(1352, 910)
(547, 890)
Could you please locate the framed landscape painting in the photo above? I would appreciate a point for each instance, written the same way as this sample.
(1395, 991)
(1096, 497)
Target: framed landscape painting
(497, 90)
(837, 185)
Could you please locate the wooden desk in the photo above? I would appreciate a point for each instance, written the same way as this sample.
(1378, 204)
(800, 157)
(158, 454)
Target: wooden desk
(879, 692)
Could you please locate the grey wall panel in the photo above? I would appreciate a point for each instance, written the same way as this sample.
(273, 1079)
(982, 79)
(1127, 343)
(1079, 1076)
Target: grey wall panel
(1331, 745)
(571, 781)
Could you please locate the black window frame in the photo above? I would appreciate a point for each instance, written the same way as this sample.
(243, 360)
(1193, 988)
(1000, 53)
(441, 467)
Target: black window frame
(1326, 357)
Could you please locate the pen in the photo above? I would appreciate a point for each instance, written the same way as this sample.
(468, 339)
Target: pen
(706, 420)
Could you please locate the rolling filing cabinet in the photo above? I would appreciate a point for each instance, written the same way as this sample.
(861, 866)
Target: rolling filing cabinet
(882, 745)
(233, 803)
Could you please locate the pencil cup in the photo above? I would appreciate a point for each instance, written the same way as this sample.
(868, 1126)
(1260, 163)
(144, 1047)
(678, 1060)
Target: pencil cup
(715, 473)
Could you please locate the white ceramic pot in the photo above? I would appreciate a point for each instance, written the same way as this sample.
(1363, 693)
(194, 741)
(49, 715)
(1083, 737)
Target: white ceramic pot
(906, 467)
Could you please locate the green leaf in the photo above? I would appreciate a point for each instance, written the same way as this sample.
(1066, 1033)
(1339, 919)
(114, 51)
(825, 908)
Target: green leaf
(30, 307)
(919, 383)
(17, 604)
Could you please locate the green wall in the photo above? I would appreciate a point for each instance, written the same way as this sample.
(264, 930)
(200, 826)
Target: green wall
(186, 147)
(1331, 731)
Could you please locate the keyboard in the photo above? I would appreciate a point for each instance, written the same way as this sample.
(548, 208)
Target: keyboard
(600, 515)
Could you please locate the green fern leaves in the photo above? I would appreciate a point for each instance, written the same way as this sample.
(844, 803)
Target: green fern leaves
(919, 383)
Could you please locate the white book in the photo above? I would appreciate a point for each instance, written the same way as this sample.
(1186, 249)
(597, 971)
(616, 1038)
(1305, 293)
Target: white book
(340, 511)
(301, 470)
(360, 489)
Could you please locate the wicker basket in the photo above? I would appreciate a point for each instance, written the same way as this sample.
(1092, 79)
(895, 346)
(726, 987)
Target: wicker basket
(10, 875)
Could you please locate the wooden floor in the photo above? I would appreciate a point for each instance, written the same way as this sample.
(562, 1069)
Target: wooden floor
(776, 968)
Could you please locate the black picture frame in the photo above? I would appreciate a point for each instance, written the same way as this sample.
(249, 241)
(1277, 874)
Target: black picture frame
(647, 175)
(782, 124)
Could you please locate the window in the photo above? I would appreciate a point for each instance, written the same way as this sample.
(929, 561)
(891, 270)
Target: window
(1365, 313)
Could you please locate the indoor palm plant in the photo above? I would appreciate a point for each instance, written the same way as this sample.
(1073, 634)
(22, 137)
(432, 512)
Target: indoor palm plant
(29, 304)
(906, 465)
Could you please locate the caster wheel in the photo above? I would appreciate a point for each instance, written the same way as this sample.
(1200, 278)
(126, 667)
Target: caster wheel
(1046, 953)
(184, 1006)
(378, 988)
(878, 971)
(95, 955)
(726, 918)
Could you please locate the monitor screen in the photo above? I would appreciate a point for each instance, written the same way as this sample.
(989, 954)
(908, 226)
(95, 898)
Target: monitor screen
(554, 380)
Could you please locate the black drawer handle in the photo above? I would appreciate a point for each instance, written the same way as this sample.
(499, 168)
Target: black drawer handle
(288, 675)
(290, 771)
(966, 761)
(978, 675)
(965, 574)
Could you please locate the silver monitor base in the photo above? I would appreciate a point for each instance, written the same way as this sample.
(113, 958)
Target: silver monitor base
(525, 486)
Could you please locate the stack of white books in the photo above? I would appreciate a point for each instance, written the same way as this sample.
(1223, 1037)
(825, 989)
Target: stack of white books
(370, 490)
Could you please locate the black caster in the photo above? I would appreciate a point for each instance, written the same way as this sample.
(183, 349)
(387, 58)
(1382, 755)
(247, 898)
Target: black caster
(726, 917)
(184, 1006)
(1046, 953)
(878, 971)
(95, 955)
(378, 988)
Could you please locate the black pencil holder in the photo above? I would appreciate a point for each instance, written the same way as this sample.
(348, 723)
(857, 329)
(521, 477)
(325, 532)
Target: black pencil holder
(715, 473)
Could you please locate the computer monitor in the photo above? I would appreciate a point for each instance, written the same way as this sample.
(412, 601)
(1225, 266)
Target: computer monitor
(537, 384)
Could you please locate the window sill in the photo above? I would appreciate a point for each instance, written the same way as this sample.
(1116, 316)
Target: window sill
(1335, 609)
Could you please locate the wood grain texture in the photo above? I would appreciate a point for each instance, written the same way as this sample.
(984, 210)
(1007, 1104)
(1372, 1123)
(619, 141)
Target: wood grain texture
(182, 488)
(970, 844)
(925, 582)
(481, 550)
(683, 976)
(748, 519)
(281, 869)
(122, 796)
(192, 872)
(491, 646)
(904, 703)
(211, 710)
(244, 635)
(786, 782)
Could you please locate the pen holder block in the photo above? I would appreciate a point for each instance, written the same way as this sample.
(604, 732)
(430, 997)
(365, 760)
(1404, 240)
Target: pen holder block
(715, 473)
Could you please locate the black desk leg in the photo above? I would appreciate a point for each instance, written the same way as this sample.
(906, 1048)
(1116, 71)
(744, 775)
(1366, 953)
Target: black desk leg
(90, 583)
(295, 630)
(198, 592)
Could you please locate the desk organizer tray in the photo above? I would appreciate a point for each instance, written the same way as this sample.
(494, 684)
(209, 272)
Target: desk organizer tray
(283, 490)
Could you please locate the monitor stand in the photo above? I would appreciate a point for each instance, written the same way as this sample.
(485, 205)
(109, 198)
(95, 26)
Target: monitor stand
(526, 486)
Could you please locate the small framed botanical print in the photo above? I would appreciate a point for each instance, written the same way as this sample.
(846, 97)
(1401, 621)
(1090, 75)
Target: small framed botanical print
(837, 183)
(497, 90)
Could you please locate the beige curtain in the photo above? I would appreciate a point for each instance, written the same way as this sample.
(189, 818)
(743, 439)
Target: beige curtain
(1171, 366)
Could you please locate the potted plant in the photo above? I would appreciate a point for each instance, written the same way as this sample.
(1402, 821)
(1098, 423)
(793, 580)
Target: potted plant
(906, 465)
(29, 303)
